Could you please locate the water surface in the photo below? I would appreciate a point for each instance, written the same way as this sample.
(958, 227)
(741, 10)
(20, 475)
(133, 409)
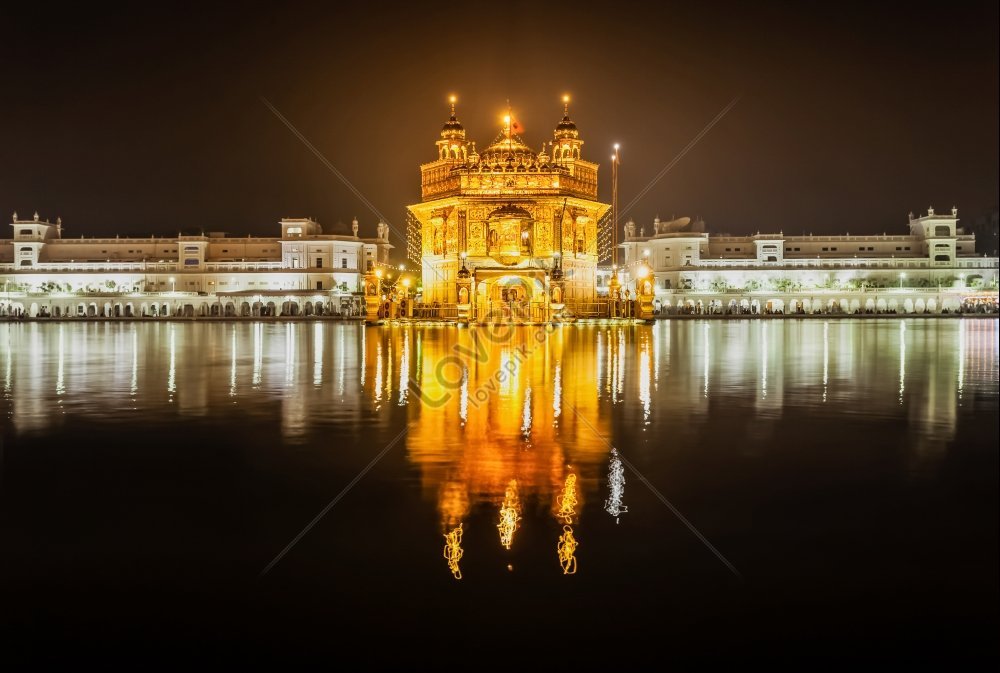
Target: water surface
(844, 474)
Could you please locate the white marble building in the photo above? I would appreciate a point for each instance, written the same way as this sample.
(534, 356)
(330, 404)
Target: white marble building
(931, 268)
(302, 271)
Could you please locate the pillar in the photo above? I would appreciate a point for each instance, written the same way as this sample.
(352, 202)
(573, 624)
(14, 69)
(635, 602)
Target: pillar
(373, 295)
(614, 293)
(463, 291)
(644, 298)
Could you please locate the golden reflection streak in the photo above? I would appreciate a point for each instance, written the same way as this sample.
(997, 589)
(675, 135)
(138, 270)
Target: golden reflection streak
(342, 368)
(60, 371)
(510, 514)
(656, 356)
(134, 381)
(826, 357)
(567, 500)
(961, 358)
(599, 359)
(232, 366)
(378, 372)
(389, 361)
(258, 353)
(404, 369)
(557, 394)
(289, 354)
(364, 354)
(526, 414)
(707, 357)
(318, 354)
(763, 360)
(566, 548)
(172, 373)
(645, 374)
(8, 374)
(463, 400)
(620, 368)
(453, 551)
(902, 360)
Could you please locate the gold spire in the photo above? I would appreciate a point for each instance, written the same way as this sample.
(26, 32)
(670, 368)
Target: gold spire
(566, 104)
(452, 99)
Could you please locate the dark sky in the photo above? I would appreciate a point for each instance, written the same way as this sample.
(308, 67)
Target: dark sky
(150, 120)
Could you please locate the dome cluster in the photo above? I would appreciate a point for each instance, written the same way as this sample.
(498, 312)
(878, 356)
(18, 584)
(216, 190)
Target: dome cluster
(508, 150)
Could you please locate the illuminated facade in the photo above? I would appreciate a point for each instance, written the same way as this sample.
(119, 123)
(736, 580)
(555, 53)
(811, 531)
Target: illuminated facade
(303, 271)
(509, 219)
(931, 269)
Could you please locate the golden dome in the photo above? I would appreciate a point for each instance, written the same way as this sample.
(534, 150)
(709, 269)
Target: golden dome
(504, 148)
(566, 128)
(453, 128)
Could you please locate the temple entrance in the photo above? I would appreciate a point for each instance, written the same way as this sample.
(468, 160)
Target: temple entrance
(510, 298)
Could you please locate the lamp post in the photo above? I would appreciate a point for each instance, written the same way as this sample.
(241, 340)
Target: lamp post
(616, 160)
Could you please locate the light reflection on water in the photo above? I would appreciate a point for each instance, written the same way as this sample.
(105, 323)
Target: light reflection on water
(506, 409)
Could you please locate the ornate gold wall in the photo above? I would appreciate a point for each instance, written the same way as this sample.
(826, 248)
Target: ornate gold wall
(504, 210)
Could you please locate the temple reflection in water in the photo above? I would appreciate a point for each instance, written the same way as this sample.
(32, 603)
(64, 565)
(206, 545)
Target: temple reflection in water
(513, 424)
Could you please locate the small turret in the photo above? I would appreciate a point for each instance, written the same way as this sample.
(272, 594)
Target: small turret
(567, 141)
(452, 145)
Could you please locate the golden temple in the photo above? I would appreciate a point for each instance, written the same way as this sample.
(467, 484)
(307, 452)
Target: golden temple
(507, 230)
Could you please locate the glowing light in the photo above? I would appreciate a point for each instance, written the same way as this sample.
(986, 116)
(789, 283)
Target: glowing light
(402, 267)
(506, 119)
(567, 551)
(510, 514)
(567, 500)
(258, 353)
(616, 486)
(565, 98)
(453, 551)
(642, 272)
(232, 365)
(617, 146)
(526, 414)
(452, 99)
(172, 372)
(378, 273)
(902, 360)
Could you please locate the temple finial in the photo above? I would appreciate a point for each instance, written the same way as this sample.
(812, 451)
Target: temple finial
(452, 99)
(566, 104)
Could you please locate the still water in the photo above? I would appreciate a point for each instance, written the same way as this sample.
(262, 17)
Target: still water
(786, 488)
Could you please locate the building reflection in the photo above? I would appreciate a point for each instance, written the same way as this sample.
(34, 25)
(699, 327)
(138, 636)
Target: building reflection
(493, 429)
(488, 408)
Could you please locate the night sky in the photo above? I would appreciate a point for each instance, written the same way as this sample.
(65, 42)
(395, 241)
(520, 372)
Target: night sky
(151, 120)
